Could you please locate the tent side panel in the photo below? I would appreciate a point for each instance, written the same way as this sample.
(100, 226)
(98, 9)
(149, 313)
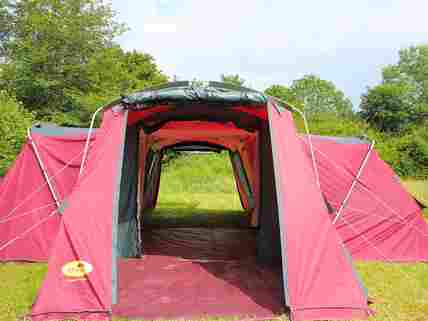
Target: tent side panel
(78, 283)
(25, 199)
(21, 209)
(381, 221)
(319, 278)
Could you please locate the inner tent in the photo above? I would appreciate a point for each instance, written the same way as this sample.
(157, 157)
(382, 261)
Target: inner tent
(193, 272)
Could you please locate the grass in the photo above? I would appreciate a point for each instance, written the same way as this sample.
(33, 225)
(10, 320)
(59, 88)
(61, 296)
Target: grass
(419, 189)
(201, 184)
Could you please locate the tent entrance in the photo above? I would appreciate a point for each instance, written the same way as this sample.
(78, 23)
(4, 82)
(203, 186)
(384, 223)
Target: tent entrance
(198, 214)
(199, 249)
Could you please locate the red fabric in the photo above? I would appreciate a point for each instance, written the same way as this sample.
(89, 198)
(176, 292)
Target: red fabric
(190, 273)
(381, 220)
(320, 279)
(168, 287)
(86, 234)
(136, 116)
(225, 135)
(25, 199)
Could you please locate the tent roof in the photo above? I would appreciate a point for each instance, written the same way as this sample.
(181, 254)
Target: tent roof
(192, 92)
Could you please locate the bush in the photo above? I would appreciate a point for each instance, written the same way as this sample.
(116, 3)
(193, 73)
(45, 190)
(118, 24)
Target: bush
(412, 154)
(14, 121)
(406, 153)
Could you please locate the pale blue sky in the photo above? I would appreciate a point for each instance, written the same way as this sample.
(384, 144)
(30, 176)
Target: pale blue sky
(273, 41)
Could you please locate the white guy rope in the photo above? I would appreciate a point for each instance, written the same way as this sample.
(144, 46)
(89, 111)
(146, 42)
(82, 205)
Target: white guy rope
(387, 218)
(38, 190)
(43, 168)
(25, 213)
(20, 236)
(354, 183)
(370, 193)
(88, 140)
(308, 134)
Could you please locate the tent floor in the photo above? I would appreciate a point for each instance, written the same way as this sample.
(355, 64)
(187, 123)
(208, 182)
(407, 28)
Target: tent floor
(193, 273)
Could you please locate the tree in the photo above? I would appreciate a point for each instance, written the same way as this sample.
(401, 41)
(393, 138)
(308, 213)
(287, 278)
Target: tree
(48, 48)
(391, 107)
(5, 26)
(316, 96)
(285, 94)
(114, 72)
(401, 101)
(14, 122)
(234, 80)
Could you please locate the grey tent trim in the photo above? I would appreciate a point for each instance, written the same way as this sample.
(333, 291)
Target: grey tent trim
(50, 130)
(116, 209)
(341, 140)
(281, 215)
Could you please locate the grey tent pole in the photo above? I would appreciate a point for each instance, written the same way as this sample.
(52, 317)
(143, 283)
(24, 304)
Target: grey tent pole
(308, 134)
(88, 139)
(354, 183)
(42, 167)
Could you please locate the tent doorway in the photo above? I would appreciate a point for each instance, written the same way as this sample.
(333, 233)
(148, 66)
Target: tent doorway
(198, 241)
(198, 214)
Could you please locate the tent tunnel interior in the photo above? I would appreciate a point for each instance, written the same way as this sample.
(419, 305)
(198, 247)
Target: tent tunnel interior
(236, 251)
(82, 199)
(142, 168)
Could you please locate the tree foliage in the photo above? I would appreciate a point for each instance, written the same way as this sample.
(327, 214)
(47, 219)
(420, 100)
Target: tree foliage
(392, 106)
(14, 121)
(315, 96)
(234, 80)
(60, 55)
(401, 101)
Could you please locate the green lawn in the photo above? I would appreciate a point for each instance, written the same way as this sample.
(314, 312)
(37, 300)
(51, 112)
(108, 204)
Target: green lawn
(400, 291)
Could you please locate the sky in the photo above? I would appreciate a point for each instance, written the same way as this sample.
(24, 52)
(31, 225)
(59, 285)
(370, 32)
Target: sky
(271, 42)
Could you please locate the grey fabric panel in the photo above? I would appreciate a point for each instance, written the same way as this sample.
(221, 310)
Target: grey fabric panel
(56, 131)
(268, 239)
(152, 179)
(241, 174)
(115, 213)
(354, 272)
(278, 216)
(340, 140)
(127, 242)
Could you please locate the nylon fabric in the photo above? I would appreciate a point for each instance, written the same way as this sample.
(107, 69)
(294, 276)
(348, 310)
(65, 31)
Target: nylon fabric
(314, 252)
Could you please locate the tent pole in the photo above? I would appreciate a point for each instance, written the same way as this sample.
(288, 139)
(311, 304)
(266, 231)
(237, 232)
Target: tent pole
(42, 167)
(88, 139)
(308, 134)
(354, 183)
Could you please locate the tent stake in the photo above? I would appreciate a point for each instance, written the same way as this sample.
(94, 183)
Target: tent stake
(42, 167)
(354, 183)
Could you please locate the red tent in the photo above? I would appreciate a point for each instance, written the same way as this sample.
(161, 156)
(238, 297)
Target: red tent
(310, 201)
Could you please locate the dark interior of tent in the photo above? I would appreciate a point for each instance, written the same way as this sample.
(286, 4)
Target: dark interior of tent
(239, 268)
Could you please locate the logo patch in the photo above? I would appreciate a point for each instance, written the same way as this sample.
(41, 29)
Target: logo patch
(77, 269)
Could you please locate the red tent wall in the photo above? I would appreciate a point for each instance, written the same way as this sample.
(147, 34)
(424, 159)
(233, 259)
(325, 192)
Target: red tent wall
(381, 220)
(319, 280)
(88, 234)
(27, 227)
